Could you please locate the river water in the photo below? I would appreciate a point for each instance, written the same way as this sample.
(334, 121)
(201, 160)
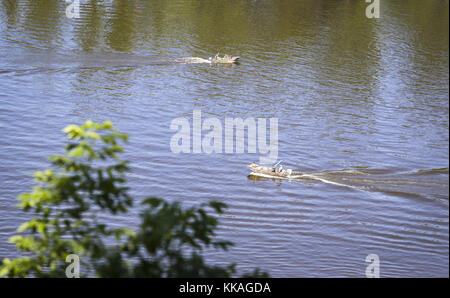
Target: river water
(362, 107)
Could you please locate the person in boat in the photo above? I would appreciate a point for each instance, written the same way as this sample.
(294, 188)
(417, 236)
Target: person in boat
(277, 170)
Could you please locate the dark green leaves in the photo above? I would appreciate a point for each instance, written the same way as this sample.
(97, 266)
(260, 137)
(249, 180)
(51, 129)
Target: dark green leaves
(89, 179)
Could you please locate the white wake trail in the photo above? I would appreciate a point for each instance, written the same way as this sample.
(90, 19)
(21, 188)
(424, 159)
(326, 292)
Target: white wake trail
(308, 176)
(314, 177)
(191, 60)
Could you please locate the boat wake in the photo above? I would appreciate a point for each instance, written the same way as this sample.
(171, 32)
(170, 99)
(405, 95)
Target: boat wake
(289, 174)
(191, 60)
(303, 176)
(38, 62)
(422, 184)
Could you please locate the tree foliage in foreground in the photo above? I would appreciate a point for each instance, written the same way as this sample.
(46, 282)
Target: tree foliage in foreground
(89, 181)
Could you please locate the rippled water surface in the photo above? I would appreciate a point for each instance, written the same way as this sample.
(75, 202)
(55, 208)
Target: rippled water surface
(362, 104)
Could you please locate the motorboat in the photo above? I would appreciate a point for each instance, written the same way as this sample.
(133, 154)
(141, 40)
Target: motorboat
(228, 59)
(270, 171)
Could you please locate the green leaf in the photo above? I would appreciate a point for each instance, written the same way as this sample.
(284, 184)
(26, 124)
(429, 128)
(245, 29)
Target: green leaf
(77, 152)
(69, 198)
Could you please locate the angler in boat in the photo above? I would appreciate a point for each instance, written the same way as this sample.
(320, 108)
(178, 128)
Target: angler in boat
(270, 171)
(225, 59)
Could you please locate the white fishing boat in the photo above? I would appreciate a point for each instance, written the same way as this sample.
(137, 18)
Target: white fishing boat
(273, 171)
(228, 59)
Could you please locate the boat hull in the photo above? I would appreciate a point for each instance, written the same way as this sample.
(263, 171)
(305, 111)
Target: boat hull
(269, 172)
(225, 60)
